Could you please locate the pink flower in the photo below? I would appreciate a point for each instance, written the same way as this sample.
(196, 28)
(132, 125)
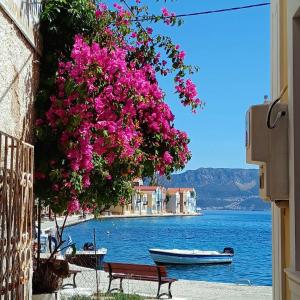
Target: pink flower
(86, 209)
(73, 205)
(86, 181)
(39, 122)
(118, 6)
(149, 30)
(168, 158)
(98, 14)
(181, 55)
(55, 187)
(122, 201)
(102, 6)
(165, 12)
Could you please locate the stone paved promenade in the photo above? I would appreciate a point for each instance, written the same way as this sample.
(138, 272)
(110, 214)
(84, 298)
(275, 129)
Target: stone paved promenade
(181, 290)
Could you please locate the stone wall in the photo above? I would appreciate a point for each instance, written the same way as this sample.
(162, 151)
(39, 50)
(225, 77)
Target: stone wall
(19, 73)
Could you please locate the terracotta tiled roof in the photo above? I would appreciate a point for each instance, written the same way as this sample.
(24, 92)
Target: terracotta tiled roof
(178, 190)
(147, 188)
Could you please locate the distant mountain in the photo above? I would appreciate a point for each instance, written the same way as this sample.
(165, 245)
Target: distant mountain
(222, 188)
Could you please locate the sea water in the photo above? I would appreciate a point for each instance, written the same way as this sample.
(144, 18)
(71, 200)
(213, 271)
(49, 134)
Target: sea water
(128, 240)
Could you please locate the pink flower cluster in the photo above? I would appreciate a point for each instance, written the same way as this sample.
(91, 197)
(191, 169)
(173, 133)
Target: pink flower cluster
(73, 205)
(168, 16)
(109, 114)
(108, 107)
(188, 93)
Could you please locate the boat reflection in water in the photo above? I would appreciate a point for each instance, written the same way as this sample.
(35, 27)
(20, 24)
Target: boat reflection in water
(190, 257)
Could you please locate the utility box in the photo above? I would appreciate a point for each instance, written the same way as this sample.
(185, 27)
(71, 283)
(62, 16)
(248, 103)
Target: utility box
(268, 148)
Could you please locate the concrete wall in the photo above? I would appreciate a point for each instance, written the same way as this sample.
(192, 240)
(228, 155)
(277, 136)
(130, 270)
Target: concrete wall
(19, 73)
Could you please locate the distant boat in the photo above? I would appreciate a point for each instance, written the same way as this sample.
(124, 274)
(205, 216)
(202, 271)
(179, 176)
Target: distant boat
(190, 257)
(88, 258)
(199, 211)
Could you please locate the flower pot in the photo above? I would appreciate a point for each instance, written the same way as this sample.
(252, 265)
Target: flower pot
(48, 278)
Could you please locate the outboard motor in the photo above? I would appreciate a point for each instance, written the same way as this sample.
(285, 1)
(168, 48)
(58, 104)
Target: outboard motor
(88, 246)
(228, 250)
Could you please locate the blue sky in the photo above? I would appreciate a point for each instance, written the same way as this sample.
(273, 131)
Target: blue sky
(232, 50)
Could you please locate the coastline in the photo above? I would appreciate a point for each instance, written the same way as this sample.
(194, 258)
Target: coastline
(47, 225)
(148, 216)
(73, 220)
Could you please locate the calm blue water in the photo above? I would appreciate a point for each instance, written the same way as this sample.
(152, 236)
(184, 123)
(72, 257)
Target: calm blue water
(249, 233)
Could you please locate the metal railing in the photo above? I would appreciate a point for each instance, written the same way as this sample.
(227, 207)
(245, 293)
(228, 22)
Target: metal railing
(16, 202)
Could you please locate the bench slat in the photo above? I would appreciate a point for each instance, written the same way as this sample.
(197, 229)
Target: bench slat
(146, 278)
(136, 269)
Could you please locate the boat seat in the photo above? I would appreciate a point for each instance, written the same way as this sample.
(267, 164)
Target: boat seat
(138, 272)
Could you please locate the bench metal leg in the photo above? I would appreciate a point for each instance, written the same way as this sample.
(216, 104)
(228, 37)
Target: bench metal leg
(169, 294)
(73, 285)
(109, 285)
(74, 282)
(158, 290)
(169, 290)
(121, 287)
(109, 290)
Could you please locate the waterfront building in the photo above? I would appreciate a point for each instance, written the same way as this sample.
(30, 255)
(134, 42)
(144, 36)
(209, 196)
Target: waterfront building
(137, 182)
(146, 200)
(139, 202)
(181, 200)
(149, 200)
(121, 209)
(173, 201)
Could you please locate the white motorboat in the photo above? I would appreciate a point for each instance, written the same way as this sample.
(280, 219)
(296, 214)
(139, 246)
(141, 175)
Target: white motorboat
(187, 257)
(88, 257)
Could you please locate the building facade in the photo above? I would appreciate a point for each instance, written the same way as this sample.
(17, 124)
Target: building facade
(149, 200)
(181, 200)
(19, 77)
(146, 200)
(285, 78)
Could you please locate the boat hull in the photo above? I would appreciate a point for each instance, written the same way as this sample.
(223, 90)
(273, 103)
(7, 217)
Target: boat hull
(189, 259)
(87, 259)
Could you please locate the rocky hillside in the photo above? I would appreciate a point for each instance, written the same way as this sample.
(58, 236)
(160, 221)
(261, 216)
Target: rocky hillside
(221, 188)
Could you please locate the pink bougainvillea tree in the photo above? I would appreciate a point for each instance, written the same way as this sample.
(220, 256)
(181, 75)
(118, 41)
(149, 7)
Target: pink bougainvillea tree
(106, 117)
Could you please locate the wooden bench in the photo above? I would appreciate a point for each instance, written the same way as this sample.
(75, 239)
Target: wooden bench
(138, 272)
